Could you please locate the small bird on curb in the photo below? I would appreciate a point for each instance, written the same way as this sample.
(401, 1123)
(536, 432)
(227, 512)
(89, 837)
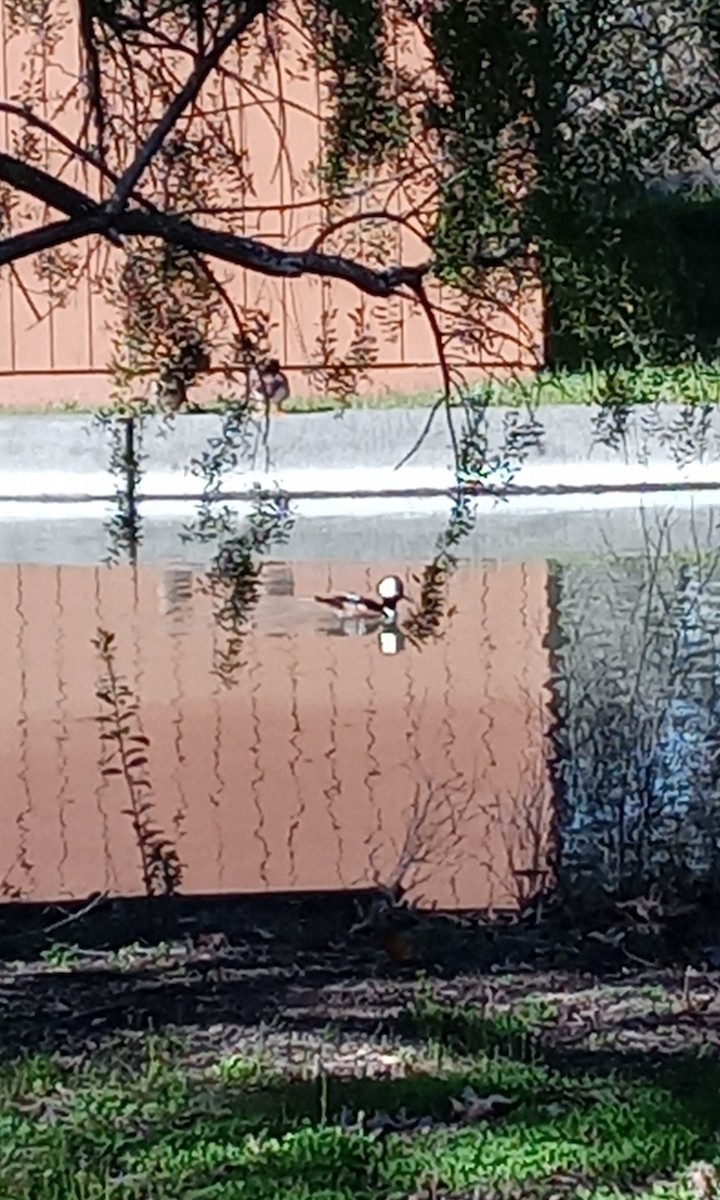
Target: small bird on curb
(268, 385)
(353, 606)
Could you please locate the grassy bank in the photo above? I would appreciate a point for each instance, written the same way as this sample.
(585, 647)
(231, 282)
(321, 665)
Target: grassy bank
(282, 1050)
(450, 1100)
(675, 385)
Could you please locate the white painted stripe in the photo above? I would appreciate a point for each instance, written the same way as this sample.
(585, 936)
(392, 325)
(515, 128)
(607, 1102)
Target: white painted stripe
(373, 506)
(97, 484)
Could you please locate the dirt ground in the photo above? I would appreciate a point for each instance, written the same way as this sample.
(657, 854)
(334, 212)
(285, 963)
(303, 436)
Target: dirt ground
(299, 979)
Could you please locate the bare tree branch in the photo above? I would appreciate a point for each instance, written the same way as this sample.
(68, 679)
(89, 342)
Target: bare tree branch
(185, 97)
(381, 214)
(43, 186)
(445, 398)
(244, 252)
(94, 73)
(100, 165)
(268, 260)
(57, 233)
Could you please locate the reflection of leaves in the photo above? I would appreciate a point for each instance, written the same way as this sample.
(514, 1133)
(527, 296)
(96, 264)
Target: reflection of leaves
(477, 471)
(426, 621)
(636, 731)
(234, 576)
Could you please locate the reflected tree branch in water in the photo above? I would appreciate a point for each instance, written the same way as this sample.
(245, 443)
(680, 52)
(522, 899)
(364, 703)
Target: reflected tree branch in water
(233, 579)
(479, 470)
(125, 756)
(125, 464)
(433, 837)
(530, 852)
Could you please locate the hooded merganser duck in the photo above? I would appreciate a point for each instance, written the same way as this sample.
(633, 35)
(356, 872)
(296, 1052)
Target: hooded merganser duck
(391, 591)
(267, 384)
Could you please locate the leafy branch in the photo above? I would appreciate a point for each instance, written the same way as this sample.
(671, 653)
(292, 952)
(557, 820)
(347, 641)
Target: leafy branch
(125, 756)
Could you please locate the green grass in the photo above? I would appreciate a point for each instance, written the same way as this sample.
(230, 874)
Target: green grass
(155, 1125)
(687, 384)
(296, 404)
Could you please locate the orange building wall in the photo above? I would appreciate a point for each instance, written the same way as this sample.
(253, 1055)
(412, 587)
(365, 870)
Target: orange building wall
(326, 766)
(53, 353)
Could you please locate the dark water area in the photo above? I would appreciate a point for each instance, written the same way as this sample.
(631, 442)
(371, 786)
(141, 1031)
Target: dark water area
(566, 722)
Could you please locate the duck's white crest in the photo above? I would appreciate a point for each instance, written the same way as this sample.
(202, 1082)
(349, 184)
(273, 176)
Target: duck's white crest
(390, 587)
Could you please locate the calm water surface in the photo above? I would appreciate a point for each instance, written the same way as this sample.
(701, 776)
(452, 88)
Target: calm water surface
(570, 707)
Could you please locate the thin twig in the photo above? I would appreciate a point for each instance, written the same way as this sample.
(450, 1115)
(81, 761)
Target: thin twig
(76, 916)
(182, 100)
(445, 396)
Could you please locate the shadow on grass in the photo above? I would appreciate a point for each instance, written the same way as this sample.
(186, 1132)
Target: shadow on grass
(254, 962)
(235, 1128)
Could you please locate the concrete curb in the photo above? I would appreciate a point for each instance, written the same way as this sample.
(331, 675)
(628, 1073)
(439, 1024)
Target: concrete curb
(321, 456)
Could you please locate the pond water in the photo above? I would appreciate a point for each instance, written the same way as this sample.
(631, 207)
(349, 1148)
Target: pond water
(570, 708)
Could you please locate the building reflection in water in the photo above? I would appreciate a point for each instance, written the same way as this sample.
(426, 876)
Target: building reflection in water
(331, 763)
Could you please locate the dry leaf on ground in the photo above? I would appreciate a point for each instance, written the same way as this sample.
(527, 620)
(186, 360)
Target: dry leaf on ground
(471, 1107)
(703, 1179)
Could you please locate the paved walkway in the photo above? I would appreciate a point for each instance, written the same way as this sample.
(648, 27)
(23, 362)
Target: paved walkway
(354, 454)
